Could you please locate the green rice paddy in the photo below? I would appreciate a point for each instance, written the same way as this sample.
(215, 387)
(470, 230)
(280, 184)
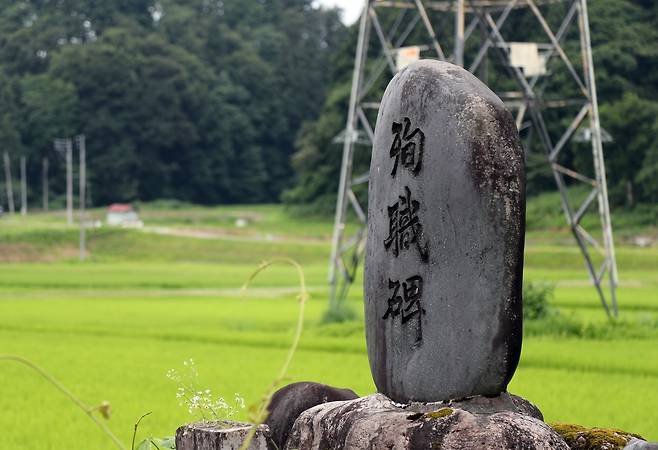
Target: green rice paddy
(146, 300)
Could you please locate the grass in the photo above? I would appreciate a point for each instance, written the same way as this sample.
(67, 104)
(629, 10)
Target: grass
(544, 212)
(111, 327)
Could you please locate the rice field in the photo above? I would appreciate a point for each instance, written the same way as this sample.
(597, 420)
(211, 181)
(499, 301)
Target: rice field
(147, 300)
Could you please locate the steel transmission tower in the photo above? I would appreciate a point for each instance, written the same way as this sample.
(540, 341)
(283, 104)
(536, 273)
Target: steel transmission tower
(476, 28)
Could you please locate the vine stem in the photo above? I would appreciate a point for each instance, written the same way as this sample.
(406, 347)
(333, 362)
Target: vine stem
(132, 447)
(303, 296)
(68, 394)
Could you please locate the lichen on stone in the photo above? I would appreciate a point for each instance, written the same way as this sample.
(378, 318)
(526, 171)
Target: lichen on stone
(582, 438)
(439, 413)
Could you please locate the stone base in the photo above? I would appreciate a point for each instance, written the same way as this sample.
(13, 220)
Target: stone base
(374, 422)
(224, 435)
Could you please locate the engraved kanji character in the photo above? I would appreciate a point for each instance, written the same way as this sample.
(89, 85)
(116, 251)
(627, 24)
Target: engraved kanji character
(407, 148)
(406, 302)
(412, 290)
(395, 302)
(404, 227)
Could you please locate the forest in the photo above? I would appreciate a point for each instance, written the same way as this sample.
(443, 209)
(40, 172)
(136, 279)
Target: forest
(218, 102)
(193, 100)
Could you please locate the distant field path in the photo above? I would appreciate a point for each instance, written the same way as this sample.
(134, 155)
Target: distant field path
(221, 233)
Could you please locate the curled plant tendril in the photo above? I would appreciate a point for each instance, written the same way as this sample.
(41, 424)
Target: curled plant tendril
(261, 413)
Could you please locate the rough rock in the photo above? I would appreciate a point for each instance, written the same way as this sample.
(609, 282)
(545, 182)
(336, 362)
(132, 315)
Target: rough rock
(639, 444)
(483, 405)
(221, 435)
(290, 401)
(376, 422)
(444, 256)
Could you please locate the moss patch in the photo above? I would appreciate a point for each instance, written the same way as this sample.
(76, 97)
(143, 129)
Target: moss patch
(582, 438)
(439, 413)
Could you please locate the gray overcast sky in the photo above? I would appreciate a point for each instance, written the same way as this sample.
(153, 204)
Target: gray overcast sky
(351, 8)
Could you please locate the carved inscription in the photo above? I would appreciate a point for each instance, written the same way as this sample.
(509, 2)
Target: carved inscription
(407, 148)
(405, 301)
(404, 227)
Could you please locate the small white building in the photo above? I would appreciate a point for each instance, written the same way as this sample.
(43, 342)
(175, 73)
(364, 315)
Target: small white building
(123, 215)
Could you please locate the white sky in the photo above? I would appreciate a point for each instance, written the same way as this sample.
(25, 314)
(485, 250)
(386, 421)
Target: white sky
(351, 8)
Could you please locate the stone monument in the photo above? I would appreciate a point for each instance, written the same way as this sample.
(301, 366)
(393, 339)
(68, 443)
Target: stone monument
(444, 255)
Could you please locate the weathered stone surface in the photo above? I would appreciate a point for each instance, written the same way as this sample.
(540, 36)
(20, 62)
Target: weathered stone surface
(290, 401)
(639, 444)
(376, 422)
(446, 227)
(225, 435)
(482, 405)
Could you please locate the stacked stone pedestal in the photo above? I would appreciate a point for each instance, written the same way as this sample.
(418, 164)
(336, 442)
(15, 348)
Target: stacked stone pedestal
(376, 422)
(303, 417)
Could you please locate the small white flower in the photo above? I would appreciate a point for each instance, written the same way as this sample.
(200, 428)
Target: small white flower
(199, 401)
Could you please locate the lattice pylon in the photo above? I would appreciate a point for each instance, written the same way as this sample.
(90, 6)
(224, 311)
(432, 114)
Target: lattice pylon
(489, 18)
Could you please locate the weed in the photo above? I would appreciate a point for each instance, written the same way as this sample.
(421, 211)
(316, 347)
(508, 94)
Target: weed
(339, 314)
(536, 299)
(202, 401)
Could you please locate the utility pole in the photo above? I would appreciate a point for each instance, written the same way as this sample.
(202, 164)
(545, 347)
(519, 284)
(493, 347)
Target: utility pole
(44, 182)
(337, 270)
(69, 181)
(8, 187)
(459, 33)
(82, 194)
(23, 186)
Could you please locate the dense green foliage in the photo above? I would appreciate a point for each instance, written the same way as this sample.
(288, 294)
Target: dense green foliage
(195, 100)
(240, 101)
(625, 49)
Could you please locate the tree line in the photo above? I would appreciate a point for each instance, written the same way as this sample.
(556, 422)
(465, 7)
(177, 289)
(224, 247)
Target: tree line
(237, 101)
(196, 100)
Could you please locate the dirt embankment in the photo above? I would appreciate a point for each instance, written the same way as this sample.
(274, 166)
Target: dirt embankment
(17, 252)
